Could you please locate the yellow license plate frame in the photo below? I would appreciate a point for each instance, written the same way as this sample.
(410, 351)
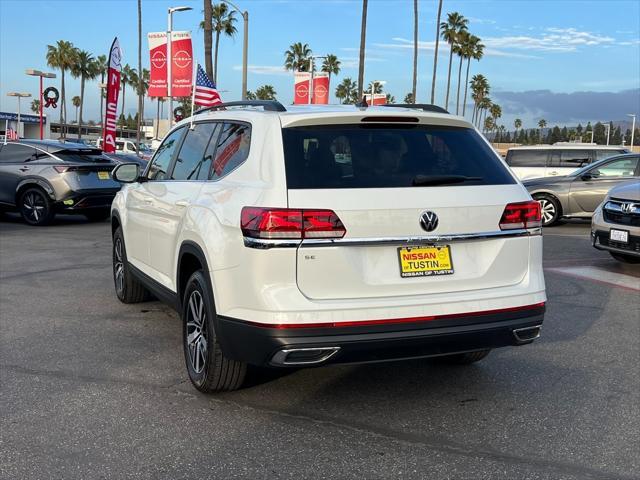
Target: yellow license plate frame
(103, 176)
(425, 261)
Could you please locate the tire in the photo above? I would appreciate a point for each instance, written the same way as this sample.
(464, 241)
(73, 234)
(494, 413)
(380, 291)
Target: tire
(97, 215)
(621, 257)
(128, 288)
(35, 207)
(209, 370)
(550, 209)
(466, 358)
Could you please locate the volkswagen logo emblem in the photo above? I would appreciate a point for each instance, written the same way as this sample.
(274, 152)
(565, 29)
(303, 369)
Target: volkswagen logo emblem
(429, 221)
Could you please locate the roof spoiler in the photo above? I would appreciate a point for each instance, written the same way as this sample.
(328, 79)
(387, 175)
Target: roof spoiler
(267, 105)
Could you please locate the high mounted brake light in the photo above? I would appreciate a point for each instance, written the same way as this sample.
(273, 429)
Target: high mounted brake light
(521, 215)
(290, 223)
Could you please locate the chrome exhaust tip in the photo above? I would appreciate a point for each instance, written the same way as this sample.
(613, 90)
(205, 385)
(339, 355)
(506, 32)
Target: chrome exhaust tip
(526, 334)
(303, 356)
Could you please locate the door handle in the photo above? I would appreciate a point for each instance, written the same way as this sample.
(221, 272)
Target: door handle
(24, 169)
(181, 203)
(553, 173)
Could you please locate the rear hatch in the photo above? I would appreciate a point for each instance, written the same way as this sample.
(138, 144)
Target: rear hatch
(86, 169)
(381, 178)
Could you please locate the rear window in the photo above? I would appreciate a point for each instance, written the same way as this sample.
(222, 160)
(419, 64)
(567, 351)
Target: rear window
(527, 158)
(79, 156)
(387, 156)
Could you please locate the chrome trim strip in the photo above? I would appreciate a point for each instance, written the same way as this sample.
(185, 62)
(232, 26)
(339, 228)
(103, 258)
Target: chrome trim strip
(261, 243)
(616, 206)
(280, 357)
(535, 329)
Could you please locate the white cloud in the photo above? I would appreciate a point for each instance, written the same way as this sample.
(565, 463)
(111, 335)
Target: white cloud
(264, 69)
(481, 21)
(403, 43)
(555, 40)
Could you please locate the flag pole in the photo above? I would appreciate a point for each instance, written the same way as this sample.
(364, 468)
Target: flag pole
(193, 92)
(6, 130)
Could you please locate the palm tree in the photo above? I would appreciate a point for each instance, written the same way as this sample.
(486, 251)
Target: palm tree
(461, 48)
(139, 87)
(62, 55)
(208, 34)
(266, 92)
(541, 124)
(496, 111)
(35, 106)
(363, 41)
(222, 22)
(331, 65)
(76, 102)
(142, 88)
(479, 90)
(101, 67)
(474, 50)
(408, 98)
(251, 95)
(483, 107)
(488, 124)
(298, 57)
(347, 91)
(451, 30)
(390, 98)
(415, 49)
(125, 79)
(435, 56)
(85, 68)
(517, 123)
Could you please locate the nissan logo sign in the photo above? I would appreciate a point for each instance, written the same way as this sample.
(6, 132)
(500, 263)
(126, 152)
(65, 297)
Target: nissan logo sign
(429, 221)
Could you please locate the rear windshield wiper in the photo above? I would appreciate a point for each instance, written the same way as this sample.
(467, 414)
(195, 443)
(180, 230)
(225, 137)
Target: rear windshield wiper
(426, 180)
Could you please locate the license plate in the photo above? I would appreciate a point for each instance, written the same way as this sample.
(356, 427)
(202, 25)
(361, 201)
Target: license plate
(619, 236)
(425, 261)
(103, 175)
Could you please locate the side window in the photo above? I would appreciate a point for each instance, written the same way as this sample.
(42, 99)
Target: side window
(11, 153)
(601, 154)
(193, 163)
(527, 158)
(624, 167)
(570, 158)
(162, 159)
(232, 148)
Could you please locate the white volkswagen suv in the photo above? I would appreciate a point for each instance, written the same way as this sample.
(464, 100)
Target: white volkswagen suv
(308, 236)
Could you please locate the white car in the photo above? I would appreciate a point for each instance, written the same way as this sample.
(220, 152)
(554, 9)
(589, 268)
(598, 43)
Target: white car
(129, 146)
(307, 236)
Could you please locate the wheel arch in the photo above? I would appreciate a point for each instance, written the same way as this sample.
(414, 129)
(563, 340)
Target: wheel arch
(35, 182)
(115, 222)
(191, 257)
(554, 195)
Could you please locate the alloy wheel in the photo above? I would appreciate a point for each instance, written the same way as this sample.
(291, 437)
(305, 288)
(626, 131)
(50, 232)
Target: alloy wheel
(197, 331)
(33, 206)
(118, 266)
(548, 211)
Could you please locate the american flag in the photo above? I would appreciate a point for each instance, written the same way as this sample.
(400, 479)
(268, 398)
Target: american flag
(11, 134)
(206, 94)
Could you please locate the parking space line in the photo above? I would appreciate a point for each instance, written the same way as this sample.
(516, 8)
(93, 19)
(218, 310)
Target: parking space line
(600, 275)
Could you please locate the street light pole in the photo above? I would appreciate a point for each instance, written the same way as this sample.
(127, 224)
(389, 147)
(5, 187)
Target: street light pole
(633, 127)
(20, 96)
(245, 46)
(170, 11)
(38, 73)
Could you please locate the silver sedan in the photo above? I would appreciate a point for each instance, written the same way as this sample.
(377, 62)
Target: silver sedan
(578, 195)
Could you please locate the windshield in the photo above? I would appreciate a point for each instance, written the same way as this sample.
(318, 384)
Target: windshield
(388, 156)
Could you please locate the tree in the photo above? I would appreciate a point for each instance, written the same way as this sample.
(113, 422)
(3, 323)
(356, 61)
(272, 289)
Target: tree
(142, 89)
(390, 98)
(35, 106)
(517, 123)
(435, 55)
(125, 79)
(474, 50)
(101, 68)
(298, 57)
(496, 111)
(374, 87)
(250, 95)
(62, 55)
(76, 102)
(489, 124)
(331, 65)
(85, 68)
(266, 92)
(479, 91)
(408, 98)
(222, 22)
(451, 30)
(208, 37)
(347, 91)
(541, 124)
(415, 49)
(363, 40)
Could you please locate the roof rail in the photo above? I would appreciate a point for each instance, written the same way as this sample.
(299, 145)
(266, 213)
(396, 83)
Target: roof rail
(427, 107)
(267, 105)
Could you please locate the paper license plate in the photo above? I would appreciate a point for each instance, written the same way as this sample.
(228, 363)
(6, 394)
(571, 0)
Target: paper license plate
(425, 261)
(103, 175)
(619, 236)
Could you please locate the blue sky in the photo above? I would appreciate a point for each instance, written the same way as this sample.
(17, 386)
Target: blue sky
(536, 51)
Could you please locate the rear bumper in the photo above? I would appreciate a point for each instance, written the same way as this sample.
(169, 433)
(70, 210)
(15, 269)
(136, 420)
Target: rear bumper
(280, 346)
(83, 200)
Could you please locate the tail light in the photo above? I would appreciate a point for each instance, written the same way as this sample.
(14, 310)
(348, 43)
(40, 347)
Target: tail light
(521, 215)
(290, 223)
(63, 169)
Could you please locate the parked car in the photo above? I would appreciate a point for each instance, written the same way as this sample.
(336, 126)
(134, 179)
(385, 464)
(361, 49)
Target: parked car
(615, 226)
(127, 158)
(577, 195)
(306, 236)
(40, 178)
(556, 160)
(129, 146)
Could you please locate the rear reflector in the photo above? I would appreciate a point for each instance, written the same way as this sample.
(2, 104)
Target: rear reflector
(290, 223)
(521, 215)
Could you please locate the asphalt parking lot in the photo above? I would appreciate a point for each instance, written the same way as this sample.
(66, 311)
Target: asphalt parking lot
(91, 388)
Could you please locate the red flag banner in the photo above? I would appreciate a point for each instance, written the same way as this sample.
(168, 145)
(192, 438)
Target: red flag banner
(378, 99)
(113, 90)
(158, 60)
(301, 88)
(320, 88)
(182, 66)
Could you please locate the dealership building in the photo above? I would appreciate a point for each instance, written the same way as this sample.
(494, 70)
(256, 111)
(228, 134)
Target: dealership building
(29, 125)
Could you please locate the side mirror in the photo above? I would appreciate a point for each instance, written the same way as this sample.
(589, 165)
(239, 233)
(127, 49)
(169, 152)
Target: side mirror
(126, 172)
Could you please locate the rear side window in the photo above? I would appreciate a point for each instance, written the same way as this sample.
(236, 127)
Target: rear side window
(527, 158)
(388, 156)
(11, 153)
(570, 158)
(232, 148)
(624, 167)
(601, 154)
(191, 163)
(162, 159)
